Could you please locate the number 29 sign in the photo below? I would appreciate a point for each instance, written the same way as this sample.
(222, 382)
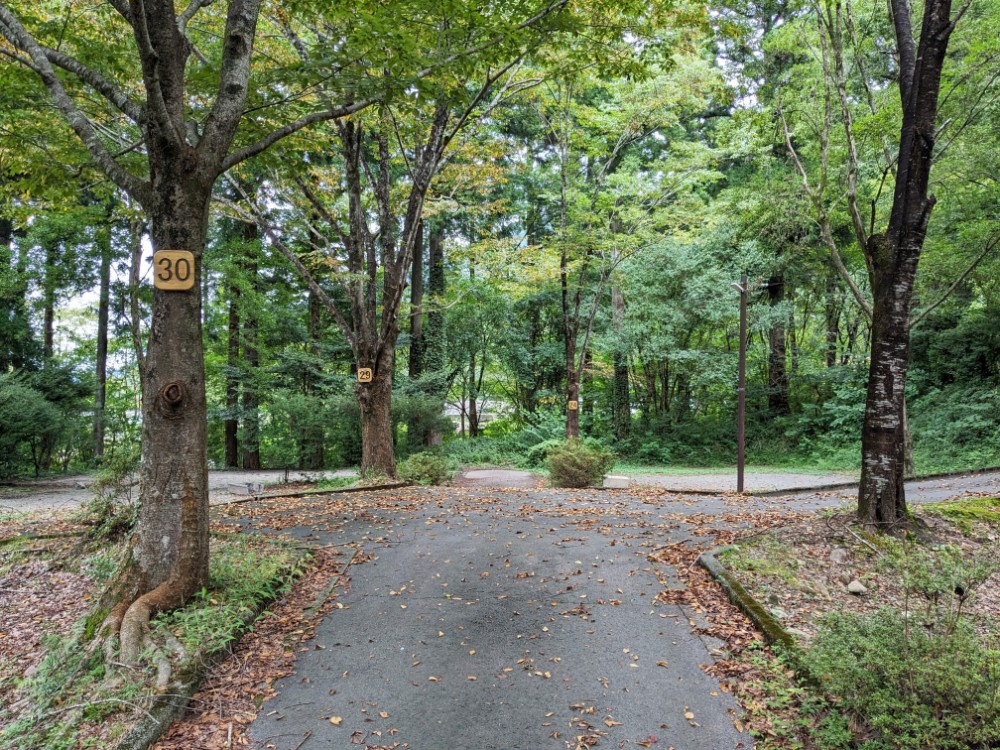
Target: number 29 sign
(173, 270)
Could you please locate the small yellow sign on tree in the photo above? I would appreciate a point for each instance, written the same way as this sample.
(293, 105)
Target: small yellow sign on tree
(573, 405)
(173, 270)
(364, 374)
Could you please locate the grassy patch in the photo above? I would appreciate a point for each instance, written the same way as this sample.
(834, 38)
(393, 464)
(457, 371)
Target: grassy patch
(768, 557)
(73, 687)
(967, 511)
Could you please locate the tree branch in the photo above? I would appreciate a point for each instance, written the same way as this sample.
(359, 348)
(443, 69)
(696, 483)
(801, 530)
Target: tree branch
(234, 78)
(293, 127)
(954, 285)
(103, 86)
(123, 8)
(257, 217)
(17, 35)
(150, 60)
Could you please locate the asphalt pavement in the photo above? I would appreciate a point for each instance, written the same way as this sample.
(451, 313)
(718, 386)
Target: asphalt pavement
(498, 621)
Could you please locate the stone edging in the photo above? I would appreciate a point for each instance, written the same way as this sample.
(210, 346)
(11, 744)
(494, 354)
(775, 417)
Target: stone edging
(774, 631)
(308, 493)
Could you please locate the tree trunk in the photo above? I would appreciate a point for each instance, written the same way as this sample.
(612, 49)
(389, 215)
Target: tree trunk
(168, 561)
(777, 371)
(232, 423)
(473, 408)
(378, 454)
(621, 406)
(572, 396)
(416, 308)
(881, 497)
(893, 261)
(104, 302)
(251, 359)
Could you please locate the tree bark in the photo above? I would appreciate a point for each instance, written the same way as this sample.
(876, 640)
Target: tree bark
(232, 422)
(777, 369)
(103, 304)
(621, 406)
(416, 307)
(168, 561)
(893, 261)
(378, 455)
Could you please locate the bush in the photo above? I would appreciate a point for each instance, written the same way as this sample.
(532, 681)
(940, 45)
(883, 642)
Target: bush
(577, 464)
(917, 688)
(538, 454)
(425, 468)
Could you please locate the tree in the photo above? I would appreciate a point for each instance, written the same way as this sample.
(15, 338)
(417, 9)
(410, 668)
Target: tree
(890, 256)
(166, 151)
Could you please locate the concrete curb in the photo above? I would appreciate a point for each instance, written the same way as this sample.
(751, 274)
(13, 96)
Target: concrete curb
(309, 493)
(828, 487)
(774, 632)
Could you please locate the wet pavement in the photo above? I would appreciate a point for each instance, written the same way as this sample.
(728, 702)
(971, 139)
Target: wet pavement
(501, 620)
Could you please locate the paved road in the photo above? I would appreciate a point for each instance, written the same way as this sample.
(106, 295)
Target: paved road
(74, 491)
(506, 619)
(499, 620)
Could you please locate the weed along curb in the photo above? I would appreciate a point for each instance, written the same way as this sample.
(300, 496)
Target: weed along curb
(171, 705)
(738, 595)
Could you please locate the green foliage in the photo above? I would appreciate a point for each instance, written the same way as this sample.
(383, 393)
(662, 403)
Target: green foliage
(114, 510)
(71, 684)
(578, 464)
(924, 676)
(956, 427)
(28, 422)
(243, 574)
(426, 467)
(917, 687)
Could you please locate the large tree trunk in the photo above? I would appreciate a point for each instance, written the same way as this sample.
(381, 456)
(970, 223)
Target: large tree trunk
(777, 370)
(168, 558)
(104, 302)
(881, 497)
(893, 260)
(378, 454)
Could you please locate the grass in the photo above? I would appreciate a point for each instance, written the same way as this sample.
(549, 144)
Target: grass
(73, 685)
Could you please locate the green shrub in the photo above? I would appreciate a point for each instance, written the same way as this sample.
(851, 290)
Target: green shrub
(578, 464)
(425, 468)
(538, 454)
(916, 687)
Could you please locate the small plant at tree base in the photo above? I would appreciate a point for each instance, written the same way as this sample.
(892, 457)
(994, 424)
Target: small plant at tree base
(577, 464)
(114, 510)
(426, 468)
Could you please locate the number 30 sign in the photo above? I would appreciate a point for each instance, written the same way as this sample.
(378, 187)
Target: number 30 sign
(173, 270)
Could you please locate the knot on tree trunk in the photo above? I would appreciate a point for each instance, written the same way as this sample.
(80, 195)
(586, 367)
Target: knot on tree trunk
(171, 399)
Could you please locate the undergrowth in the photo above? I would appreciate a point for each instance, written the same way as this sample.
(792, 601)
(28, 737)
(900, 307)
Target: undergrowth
(73, 685)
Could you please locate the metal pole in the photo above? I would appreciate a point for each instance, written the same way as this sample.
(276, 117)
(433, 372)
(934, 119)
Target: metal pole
(742, 408)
